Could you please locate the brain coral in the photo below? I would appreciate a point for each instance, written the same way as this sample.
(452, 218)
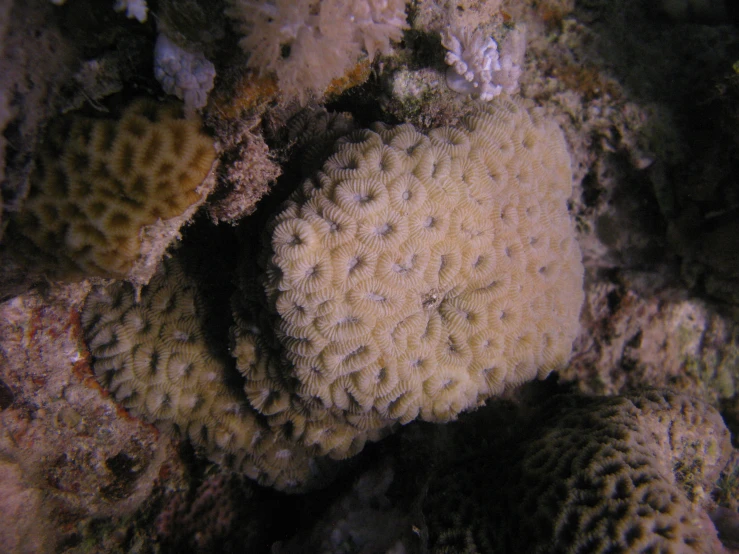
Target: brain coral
(152, 354)
(413, 276)
(619, 474)
(98, 183)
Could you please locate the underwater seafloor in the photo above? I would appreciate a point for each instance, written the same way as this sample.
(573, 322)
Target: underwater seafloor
(647, 95)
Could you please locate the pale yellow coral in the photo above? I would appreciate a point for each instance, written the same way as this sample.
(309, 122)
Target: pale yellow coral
(153, 356)
(415, 276)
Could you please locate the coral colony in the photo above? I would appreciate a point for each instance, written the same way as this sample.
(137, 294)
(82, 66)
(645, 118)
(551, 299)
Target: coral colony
(188, 76)
(385, 293)
(98, 182)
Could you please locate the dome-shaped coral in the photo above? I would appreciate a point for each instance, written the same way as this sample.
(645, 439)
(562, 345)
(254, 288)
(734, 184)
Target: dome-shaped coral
(413, 276)
(587, 475)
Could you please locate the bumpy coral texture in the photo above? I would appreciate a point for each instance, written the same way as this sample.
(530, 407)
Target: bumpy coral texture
(154, 357)
(98, 182)
(307, 43)
(590, 475)
(414, 276)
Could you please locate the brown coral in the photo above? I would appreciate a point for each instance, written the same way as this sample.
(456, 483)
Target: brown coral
(588, 475)
(99, 182)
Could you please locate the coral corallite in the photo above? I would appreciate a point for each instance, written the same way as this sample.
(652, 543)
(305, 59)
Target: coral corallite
(152, 354)
(414, 276)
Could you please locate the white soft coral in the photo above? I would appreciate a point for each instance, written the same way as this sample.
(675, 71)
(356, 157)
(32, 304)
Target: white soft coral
(307, 43)
(135, 9)
(187, 75)
(476, 66)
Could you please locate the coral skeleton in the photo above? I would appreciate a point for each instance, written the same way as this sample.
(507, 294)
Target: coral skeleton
(476, 65)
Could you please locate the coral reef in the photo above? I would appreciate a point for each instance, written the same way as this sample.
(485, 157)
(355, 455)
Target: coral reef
(654, 203)
(69, 457)
(646, 330)
(389, 294)
(627, 474)
(308, 43)
(20, 505)
(98, 183)
(245, 175)
(249, 92)
(35, 59)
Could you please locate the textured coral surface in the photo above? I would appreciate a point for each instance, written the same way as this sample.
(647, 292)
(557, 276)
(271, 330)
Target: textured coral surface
(620, 474)
(154, 356)
(413, 276)
(646, 96)
(98, 182)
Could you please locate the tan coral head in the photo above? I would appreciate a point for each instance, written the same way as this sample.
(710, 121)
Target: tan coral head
(414, 276)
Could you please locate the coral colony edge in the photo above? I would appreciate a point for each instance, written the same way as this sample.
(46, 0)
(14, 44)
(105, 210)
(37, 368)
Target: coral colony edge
(369, 277)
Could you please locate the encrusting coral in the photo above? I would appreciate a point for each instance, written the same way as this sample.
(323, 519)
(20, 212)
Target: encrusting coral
(413, 276)
(618, 474)
(98, 183)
